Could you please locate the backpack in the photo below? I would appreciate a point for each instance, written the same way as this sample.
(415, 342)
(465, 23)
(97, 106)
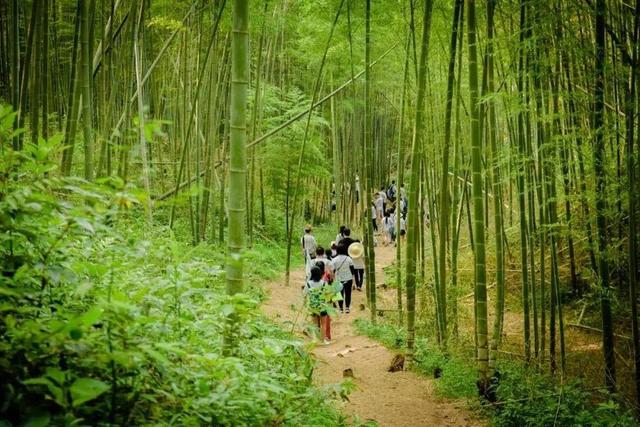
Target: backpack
(391, 191)
(315, 298)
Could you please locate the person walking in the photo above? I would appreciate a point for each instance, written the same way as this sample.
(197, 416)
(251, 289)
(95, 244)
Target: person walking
(387, 229)
(315, 290)
(383, 194)
(357, 188)
(346, 239)
(403, 206)
(356, 252)
(340, 234)
(392, 218)
(345, 270)
(326, 263)
(309, 244)
(391, 191)
(374, 217)
(379, 203)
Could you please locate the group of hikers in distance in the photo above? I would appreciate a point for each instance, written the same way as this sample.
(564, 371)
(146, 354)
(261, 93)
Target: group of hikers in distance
(332, 273)
(386, 205)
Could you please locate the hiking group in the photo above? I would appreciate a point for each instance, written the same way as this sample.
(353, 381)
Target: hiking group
(385, 206)
(332, 273)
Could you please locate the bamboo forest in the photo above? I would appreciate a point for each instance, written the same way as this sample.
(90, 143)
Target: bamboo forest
(319, 213)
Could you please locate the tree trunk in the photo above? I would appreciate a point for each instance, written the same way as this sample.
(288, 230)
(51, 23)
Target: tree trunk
(478, 209)
(601, 201)
(414, 214)
(237, 144)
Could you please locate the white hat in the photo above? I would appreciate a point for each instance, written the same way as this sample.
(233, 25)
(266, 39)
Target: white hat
(356, 250)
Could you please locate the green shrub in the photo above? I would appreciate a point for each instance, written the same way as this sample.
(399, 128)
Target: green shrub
(527, 398)
(457, 377)
(524, 396)
(387, 334)
(109, 321)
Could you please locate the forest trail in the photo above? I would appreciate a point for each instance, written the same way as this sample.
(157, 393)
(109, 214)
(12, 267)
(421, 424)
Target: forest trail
(391, 399)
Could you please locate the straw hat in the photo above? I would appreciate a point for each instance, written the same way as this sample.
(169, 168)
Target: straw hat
(356, 250)
(307, 228)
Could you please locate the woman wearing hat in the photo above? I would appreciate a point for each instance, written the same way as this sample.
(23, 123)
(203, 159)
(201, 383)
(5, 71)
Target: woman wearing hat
(356, 252)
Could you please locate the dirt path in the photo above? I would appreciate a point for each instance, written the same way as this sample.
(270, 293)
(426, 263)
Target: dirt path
(390, 399)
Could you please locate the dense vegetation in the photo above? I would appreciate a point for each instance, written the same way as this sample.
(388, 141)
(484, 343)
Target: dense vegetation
(159, 157)
(106, 320)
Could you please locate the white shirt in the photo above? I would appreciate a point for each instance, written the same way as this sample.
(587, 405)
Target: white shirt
(379, 203)
(358, 263)
(387, 222)
(342, 265)
(403, 224)
(383, 195)
(309, 244)
(373, 212)
(357, 183)
(313, 285)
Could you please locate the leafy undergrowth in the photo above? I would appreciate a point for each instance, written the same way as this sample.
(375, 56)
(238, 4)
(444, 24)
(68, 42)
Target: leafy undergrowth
(106, 320)
(524, 397)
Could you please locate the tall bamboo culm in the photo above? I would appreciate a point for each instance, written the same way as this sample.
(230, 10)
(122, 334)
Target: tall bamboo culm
(601, 202)
(414, 218)
(237, 144)
(478, 207)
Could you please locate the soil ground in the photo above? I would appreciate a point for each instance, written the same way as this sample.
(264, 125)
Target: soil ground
(390, 399)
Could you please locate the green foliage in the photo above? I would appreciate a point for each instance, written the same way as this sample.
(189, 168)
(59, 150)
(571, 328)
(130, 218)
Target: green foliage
(458, 376)
(524, 396)
(105, 321)
(527, 398)
(386, 333)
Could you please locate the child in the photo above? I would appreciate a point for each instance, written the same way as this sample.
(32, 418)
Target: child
(327, 265)
(315, 291)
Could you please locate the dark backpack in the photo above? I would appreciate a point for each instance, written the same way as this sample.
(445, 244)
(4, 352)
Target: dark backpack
(391, 191)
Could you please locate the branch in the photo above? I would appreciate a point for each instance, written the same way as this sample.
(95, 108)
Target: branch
(283, 125)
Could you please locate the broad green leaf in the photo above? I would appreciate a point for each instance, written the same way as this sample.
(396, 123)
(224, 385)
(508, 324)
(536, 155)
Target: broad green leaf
(39, 420)
(85, 389)
(56, 375)
(85, 224)
(227, 310)
(54, 390)
(156, 355)
(90, 317)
